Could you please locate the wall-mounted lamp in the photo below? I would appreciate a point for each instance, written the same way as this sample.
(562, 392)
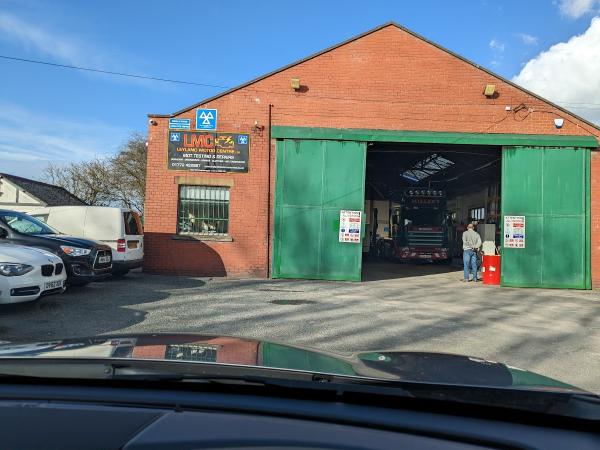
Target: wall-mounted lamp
(558, 123)
(295, 83)
(153, 122)
(490, 90)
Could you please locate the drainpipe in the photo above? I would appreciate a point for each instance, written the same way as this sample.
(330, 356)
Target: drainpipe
(269, 198)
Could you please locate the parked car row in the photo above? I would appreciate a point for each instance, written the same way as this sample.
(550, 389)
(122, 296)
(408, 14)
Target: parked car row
(43, 251)
(119, 228)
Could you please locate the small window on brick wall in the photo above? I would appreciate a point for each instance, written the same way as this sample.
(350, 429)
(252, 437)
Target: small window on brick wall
(477, 214)
(203, 210)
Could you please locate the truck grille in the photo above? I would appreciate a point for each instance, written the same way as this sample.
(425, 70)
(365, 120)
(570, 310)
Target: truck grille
(425, 238)
(47, 270)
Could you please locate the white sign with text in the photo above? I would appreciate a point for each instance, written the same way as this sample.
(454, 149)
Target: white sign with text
(350, 224)
(514, 231)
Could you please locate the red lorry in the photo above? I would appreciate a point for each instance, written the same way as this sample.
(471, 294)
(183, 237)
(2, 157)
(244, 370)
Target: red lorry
(419, 227)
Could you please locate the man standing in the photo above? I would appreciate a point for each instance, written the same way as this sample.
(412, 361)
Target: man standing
(471, 243)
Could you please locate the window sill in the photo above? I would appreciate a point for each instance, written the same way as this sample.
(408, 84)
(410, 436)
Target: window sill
(201, 237)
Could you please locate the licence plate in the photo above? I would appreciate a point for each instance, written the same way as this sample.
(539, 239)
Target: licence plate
(52, 285)
(104, 259)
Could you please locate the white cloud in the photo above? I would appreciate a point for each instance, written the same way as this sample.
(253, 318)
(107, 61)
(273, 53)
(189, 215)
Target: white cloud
(568, 73)
(10, 154)
(496, 45)
(527, 39)
(577, 8)
(27, 169)
(31, 140)
(33, 37)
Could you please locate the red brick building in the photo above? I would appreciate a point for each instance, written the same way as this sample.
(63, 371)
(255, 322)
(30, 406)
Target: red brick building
(387, 87)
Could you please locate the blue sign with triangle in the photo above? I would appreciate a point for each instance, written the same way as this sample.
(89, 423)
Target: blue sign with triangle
(206, 119)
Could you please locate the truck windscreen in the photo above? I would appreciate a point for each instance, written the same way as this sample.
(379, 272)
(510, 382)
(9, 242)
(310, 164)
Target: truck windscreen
(421, 217)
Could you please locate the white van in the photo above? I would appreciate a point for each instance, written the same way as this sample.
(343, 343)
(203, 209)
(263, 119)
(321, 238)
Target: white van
(120, 228)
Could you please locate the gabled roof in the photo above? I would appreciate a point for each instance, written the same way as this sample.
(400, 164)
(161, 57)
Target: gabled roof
(48, 193)
(352, 39)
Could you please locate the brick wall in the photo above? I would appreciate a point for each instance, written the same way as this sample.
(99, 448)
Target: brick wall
(388, 79)
(246, 255)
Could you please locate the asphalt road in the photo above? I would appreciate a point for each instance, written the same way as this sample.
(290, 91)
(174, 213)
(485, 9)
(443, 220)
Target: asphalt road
(553, 332)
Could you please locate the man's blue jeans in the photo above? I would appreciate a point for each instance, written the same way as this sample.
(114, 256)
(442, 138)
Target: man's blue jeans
(470, 262)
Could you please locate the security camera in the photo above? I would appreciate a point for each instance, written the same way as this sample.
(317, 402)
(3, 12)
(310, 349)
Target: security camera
(558, 123)
(153, 122)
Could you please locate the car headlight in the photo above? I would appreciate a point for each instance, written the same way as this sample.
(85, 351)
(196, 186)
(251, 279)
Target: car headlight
(14, 269)
(75, 251)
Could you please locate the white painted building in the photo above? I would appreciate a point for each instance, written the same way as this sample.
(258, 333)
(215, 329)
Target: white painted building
(22, 194)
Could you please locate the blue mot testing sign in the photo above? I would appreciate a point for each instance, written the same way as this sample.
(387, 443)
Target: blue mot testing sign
(206, 119)
(179, 124)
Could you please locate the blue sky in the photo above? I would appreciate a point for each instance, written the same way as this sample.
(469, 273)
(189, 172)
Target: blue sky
(50, 114)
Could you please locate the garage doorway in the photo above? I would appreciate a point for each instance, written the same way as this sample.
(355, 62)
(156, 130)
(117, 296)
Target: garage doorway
(420, 198)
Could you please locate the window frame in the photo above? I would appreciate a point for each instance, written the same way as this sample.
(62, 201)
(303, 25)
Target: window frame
(135, 218)
(203, 236)
(210, 352)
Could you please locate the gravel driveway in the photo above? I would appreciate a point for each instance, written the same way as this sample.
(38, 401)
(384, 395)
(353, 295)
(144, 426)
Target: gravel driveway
(553, 332)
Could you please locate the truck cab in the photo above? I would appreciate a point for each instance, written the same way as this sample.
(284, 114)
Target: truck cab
(419, 227)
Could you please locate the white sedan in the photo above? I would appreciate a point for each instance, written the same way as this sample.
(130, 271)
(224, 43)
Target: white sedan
(26, 273)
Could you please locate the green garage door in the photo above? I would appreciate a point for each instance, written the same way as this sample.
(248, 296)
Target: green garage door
(550, 187)
(315, 180)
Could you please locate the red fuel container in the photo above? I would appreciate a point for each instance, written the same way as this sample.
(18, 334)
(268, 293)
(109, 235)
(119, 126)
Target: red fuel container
(490, 269)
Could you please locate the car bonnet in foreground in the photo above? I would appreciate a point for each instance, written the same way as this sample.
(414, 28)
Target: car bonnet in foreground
(420, 367)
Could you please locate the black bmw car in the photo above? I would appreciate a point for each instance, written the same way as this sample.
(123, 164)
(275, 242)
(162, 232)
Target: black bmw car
(84, 259)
